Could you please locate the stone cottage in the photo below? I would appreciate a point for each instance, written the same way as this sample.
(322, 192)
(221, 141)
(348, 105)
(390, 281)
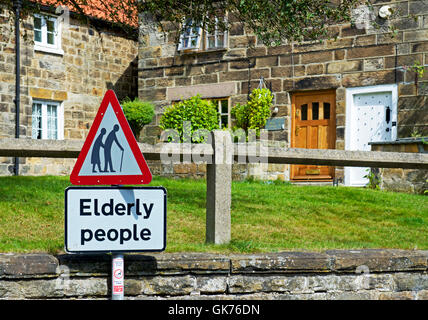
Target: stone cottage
(66, 67)
(366, 84)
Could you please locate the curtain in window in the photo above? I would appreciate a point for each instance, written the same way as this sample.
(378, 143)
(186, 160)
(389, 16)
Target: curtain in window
(52, 132)
(36, 127)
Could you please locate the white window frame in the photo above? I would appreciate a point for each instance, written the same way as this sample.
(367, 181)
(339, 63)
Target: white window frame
(44, 118)
(43, 45)
(216, 34)
(202, 34)
(222, 114)
(219, 109)
(190, 35)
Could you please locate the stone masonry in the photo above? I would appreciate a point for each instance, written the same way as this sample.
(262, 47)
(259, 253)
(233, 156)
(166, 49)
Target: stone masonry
(332, 275)
(96, 58)
(398, 179)
(353, 57)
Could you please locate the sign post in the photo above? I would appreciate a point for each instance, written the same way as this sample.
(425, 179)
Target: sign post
(114, 219)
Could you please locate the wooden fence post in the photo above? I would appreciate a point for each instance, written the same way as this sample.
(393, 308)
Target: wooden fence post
(219, 189)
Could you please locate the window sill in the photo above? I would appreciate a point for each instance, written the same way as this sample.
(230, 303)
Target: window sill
(46, 139)
(198, 51)
(56, 51)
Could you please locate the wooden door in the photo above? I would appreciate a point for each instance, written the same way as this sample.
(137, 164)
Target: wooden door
(313, 127)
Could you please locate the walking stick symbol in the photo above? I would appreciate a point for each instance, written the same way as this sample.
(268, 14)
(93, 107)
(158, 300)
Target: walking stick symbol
(121, 161)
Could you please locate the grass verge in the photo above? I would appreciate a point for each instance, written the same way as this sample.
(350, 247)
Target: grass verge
(266, 217)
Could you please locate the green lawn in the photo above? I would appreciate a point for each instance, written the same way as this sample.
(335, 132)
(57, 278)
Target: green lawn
(266, 217)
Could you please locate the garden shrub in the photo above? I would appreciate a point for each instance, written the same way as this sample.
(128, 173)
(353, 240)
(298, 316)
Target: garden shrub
(188, 116)
(138, 113)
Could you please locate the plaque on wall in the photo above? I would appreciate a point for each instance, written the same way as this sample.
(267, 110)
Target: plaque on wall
(275, 124)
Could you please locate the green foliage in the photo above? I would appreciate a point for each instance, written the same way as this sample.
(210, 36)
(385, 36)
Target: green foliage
(138, 113)
(272, 21)
(254, 114)
(415, 133)
(188, 116)
(418, 68)
(374, 180)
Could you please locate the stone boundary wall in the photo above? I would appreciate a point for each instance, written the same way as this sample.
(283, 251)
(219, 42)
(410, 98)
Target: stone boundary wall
(338, 274)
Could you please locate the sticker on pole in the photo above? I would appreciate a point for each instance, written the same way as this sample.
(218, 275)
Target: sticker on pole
(110, 154)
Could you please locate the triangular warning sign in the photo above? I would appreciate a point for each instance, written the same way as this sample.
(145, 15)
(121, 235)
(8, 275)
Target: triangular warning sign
(110, 154)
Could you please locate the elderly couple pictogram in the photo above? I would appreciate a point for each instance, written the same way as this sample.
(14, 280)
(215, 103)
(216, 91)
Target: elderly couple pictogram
(107, 145)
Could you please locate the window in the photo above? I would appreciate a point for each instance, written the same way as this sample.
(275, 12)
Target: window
(223, 110)
(326, 110)
(315, 110)
(216, 39)
(191, 37)
(47, 120)
(47, 34)
(304, 109)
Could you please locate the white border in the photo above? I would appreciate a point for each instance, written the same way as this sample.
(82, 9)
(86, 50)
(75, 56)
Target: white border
(350, 92)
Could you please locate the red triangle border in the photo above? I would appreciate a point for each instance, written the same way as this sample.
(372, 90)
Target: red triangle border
(144, 178)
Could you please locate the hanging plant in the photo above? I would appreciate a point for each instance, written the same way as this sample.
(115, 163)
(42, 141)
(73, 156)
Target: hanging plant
(254, 114)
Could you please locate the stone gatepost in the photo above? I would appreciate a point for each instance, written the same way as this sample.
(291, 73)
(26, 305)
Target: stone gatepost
(219, 185)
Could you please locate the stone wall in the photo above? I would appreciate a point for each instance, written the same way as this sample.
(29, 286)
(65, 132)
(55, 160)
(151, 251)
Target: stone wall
(357, 57)
(403, 180)
(96, 58)
(240, 172)
(339, 274)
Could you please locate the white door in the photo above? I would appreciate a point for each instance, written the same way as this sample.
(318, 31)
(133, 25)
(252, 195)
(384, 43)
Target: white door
(371, 115)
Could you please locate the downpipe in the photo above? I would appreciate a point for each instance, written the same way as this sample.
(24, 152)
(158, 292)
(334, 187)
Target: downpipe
(17, 5)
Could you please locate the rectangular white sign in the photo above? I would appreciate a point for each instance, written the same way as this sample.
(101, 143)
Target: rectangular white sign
(115, 219)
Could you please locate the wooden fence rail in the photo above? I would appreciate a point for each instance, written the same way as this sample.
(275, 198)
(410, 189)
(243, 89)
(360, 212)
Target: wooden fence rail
(219, 158)
(11, 147)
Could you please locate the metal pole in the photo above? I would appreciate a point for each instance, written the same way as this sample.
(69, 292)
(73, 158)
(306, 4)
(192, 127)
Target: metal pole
(17, 4)
(117, 276)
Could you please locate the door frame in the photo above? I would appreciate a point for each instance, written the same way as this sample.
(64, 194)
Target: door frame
(293, 124)
(350, 92)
